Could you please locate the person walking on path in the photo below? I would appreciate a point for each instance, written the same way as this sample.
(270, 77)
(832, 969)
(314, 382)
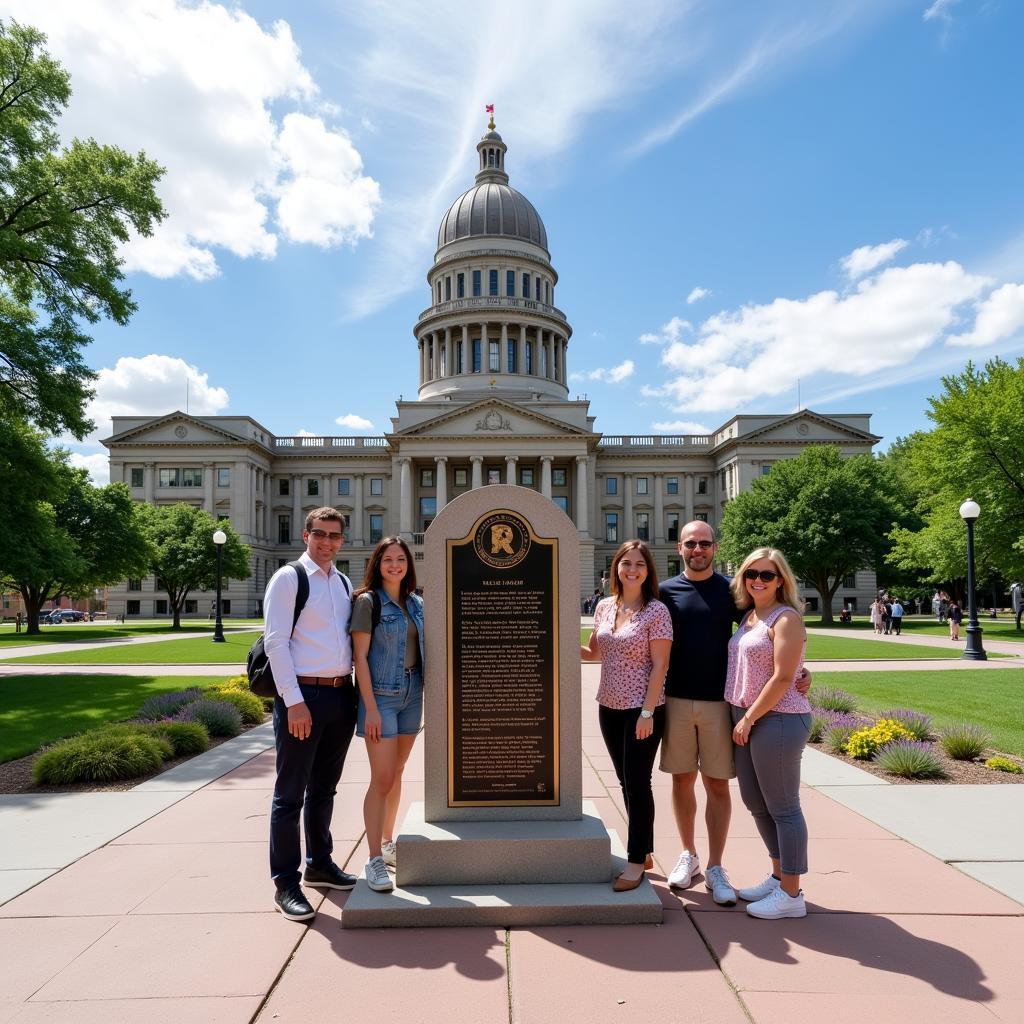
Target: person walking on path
(389, 664)
(314, 712)
(876, 615)
(955, 615)
(771, 723)
(897, 616)
(632, 638)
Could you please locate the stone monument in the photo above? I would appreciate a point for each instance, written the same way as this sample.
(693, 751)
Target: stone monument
(503, 836)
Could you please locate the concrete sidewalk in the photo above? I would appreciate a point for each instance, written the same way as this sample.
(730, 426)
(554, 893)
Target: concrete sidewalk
(169, 918)
(28, 650)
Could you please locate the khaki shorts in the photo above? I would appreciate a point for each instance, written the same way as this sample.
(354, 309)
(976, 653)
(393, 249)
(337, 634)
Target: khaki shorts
(698, 737)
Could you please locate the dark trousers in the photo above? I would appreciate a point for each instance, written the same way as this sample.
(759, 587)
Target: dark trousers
(897, 624)
(633, 760)
(307, 778)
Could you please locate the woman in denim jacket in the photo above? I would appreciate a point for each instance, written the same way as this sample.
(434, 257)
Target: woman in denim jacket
(388, 661)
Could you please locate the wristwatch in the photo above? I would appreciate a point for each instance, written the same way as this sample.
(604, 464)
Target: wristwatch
(644, 713)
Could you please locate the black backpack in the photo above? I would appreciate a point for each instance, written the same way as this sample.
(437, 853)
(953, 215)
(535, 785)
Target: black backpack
(257, 664)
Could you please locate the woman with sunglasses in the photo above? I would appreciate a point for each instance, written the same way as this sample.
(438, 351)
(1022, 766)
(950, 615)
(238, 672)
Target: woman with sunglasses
(632, 638)
(772, 721)
(388, 658)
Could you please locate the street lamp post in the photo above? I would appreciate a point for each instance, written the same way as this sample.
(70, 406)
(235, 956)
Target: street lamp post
(973, 651)
(219, 539)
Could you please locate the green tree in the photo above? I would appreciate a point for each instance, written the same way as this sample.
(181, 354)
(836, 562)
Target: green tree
(829, 515)
(63, 213)
(183, 556)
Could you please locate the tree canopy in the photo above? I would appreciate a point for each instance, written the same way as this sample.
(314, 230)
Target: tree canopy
(63, 213)
(828, 515)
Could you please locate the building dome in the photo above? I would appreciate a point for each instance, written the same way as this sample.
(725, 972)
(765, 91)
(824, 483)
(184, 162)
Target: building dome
(492, 208)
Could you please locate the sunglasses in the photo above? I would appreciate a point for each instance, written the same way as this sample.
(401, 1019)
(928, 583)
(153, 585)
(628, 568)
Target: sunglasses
(325, 535)
(704, 545)
(765, 575)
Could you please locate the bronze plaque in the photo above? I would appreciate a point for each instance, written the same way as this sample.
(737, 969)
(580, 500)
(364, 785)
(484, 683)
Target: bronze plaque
(502, 665)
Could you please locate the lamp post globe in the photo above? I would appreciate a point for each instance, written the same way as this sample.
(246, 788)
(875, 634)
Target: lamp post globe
(219, 539)
(970, 510)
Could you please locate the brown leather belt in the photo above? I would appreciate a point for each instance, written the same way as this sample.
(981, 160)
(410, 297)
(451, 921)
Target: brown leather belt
(332, 681)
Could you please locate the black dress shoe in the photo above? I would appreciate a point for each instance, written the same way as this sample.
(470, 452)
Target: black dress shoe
(293, 904)
(329, 877)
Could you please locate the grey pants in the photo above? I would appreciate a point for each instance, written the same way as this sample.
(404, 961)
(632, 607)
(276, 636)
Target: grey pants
(768, 771)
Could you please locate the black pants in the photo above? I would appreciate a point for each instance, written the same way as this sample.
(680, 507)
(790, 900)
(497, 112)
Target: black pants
(307, 778)
(634, 761)
(897, 624)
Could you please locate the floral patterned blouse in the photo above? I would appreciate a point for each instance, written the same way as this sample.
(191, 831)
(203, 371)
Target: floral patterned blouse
(752, 664)
(626, 661)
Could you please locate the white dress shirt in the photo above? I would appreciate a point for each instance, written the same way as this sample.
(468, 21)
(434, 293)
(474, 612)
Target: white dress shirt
(320, 645)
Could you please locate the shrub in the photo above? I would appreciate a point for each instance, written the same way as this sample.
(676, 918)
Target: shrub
(219, 717)
(828, 698)
(164, 705)
(819, 723)
(103, 755)
(837, 737)
(136, 729)
(917, 724)
(910, 759)
(235, 683)
(964, 741)
(249, 706)
(1004, 764)
(186, 738)
(863, 743)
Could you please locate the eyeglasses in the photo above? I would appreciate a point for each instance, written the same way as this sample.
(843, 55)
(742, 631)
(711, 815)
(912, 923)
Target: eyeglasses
(704, 545)
(326, 535)
(765, 575)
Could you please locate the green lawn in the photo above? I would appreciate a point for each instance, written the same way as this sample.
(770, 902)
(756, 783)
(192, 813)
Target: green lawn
(190, 651)
(992, 629)
(35, 710)
(992, 699)
(83, 631)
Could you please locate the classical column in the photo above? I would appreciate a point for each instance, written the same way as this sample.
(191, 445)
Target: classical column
(540, 364)
(484, 327)
(581, 495)
(208, 472)
(357, 512)
(659, 510)
(149, 480)
(464, 348)
(448, 361)
(423, 376)
(503, 354)
(441, 479)
(478, 475)
(405, 499)
(545, 475)
(435, 356)
(521, 350)
(688, 497)
(510, 468)
(627, 507)
(297, 509)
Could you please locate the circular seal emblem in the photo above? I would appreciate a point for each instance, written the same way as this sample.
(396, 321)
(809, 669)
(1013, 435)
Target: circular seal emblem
(502, 540)
(181, 431)
(803, 428)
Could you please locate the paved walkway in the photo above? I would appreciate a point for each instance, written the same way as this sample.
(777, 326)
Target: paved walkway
(169, 917)
(29, 650)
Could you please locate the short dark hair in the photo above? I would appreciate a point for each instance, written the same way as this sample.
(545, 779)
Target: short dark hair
(324, 514)
(372, 579)
(649, 587)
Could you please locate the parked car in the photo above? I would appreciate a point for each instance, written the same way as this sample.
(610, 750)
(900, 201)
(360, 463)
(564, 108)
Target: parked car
(71, 615)
(52, 618)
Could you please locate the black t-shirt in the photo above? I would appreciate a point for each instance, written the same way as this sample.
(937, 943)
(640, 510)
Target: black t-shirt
(703, 615)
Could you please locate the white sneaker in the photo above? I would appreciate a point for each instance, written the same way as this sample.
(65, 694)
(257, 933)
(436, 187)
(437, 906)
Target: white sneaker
(389, 852)
(377, 877)
(685, 871)
(716, 881)
(778, 904)
(759, 891)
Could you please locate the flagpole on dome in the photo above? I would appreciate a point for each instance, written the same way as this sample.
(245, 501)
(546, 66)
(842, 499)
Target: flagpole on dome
(490, 110)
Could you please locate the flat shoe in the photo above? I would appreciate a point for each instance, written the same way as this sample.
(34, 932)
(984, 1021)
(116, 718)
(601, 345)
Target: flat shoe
(626, 884)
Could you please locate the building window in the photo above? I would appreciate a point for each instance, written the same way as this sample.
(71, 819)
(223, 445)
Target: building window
(526, 286)
(558, 478)
(700, 517)
(344, 486)
(225, 607)
(191, 606)
(511, 356)
(283, 486)
(138, 477)
(282, 562)
(851, 603)
(494, 476)
(547, 292)
(447, 288)
(224, 476)
(672, 527)
(376, 528)
(476, 355)
(526, 477)
(765, 469)
(476, 282)
(492, 282)
(611, 485)
(641, 485)
(428, 508)
(562, 502)
(438, 291)
(460, 286)
(132, 607)
(536, 288)
(426, 478)
(376, 486)
(284, 529)
(312, 488)
(191, 477)
(673, 567)
(811, 604)
(223, 517)
(850, 581)
(135, 584)
(611, 527)
(510, 282)
(702, 485)
(460, 477)
(342, 565)
(494, 357)
(160, 607)
(643, 526)
(672, 485)
(529, 357)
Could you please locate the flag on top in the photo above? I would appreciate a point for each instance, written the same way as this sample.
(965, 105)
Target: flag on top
(489, 108)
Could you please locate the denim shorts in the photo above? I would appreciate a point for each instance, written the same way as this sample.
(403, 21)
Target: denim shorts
(401, 714)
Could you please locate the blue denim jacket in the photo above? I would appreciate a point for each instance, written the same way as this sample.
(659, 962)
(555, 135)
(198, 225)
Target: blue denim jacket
(386, 657)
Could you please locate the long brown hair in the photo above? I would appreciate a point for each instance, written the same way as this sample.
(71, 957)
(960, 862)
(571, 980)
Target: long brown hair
(372, 579)
(649, 587)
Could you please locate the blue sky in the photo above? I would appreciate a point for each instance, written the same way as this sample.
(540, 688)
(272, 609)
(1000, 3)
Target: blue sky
(737, 196)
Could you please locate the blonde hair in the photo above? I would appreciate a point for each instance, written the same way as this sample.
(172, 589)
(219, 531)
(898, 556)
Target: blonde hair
(787, 591)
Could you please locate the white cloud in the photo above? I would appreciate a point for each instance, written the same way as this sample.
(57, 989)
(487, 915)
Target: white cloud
(1000, 315)
(354, 422)
(199, 87)
(681, 427)
(696, 295)
(670, 332)
(870, 257)
(615, 375)
(941, 10)
(98, 465)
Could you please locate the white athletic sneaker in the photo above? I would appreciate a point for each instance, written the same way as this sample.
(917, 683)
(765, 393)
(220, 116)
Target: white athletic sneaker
(685, 871)
(759, 891)
(388, 852)
(377, 877)
(716, 881)
(777, 904)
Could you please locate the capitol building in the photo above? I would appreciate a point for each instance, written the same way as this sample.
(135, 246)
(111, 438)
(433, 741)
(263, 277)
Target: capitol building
(492, 406)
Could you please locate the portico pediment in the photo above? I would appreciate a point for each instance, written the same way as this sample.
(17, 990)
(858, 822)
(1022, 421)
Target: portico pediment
(176, 428)
(489, 419)
(807, 427)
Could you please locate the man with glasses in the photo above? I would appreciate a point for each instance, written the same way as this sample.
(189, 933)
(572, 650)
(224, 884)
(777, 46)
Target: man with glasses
(314, 711)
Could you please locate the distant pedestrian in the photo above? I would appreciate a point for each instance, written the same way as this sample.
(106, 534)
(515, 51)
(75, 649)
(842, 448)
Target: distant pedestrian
(1017, 601)
(955, 615)
(896, 616)
(886, 615)
(877, 613)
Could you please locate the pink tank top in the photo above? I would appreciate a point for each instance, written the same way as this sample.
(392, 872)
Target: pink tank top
(752, 664)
